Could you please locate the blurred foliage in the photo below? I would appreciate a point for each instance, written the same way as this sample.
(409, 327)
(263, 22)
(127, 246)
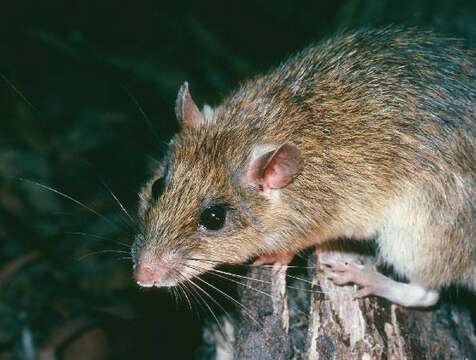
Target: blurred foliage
(86, 102)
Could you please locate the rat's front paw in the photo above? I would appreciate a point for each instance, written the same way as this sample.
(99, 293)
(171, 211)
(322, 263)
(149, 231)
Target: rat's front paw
(283, 258)
(342, 273)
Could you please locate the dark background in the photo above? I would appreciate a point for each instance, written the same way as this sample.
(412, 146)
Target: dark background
(87, 90)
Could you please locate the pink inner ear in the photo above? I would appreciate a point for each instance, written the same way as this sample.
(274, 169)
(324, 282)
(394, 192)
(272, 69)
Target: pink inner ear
(255, 170)
(282, 167)
(275, 169)
(276, 177)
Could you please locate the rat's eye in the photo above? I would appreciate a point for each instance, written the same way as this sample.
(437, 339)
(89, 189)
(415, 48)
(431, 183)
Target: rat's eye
(157, 188)
(213, 217)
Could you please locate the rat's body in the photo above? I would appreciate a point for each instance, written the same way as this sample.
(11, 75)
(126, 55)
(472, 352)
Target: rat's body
(369, 135)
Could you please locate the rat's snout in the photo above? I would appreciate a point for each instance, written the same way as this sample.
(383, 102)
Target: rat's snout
(154, 271)
(146, 275)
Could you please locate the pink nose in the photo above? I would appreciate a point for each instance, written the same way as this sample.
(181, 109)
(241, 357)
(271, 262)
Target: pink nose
(146, 276)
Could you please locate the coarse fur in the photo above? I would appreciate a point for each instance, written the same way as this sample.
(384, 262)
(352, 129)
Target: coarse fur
(385, 124)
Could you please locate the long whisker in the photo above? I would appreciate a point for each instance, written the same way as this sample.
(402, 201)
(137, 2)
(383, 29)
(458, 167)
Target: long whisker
(133, 223)
(178, 295)
(301, 279)
(231, 298)
(269, 267)
(80, 233)
(251, 265)
(240, 276)
(208, 306)
(193, 294)
(267, 281)
(18, 92)
(102, 252)
(71, 199)
(193, 291)
(190, 292)
(206, 293)
(173, 291)
(125, 258)
(182, 289)
(255, 289)
(143, 113)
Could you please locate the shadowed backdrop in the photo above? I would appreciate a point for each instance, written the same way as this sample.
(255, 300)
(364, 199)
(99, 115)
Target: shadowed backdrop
(87, 94)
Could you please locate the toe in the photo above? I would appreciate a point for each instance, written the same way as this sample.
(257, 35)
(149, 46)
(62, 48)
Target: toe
(362, 293)
(334, 265)
(340, 278)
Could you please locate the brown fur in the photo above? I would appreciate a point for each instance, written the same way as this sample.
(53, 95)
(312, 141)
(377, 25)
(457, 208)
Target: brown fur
(385, 123)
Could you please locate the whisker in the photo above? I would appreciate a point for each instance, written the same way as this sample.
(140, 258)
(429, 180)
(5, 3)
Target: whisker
(194, 291)
(102, 252)
(77, 202)
(299, 255)
(226, 296)
(177, 296)
(267, 281)
(270, 267)
(209, 308)
(192, 300)
(193, 294)
(174, 294)
(240, 276)
(257, 290)
(143, 113)
(18, 92)
(125, 258)
(251, 265)
(97, 237)
(133, 223)
(182, 288)
(301, 279)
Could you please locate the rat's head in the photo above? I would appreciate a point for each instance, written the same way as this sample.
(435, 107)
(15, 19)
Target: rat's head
(210, 200)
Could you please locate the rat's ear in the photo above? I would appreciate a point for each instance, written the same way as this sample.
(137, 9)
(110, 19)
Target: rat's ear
(275, 169)
(186, 110)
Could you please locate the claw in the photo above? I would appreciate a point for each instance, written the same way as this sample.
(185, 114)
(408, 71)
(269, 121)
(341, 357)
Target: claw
(362, 293)
(336, 266)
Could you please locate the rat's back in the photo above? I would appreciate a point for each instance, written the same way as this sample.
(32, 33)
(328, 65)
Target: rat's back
(400, 75)
(385, 121)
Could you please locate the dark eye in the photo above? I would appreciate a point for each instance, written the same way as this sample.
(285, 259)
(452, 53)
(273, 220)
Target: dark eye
(157, 188)
(213, 217)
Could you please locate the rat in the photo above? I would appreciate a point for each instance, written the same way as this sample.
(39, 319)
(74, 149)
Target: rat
(367, 135)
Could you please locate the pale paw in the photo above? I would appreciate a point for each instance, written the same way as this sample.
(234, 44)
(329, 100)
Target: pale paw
(371, 282)
(343, 273)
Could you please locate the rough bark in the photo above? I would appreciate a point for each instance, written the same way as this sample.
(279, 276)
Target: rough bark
(289, 318)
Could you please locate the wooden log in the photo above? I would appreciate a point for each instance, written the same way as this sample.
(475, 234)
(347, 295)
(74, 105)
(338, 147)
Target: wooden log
(311, 318)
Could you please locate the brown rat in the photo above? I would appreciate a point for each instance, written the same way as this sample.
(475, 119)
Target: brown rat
(368, 135)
